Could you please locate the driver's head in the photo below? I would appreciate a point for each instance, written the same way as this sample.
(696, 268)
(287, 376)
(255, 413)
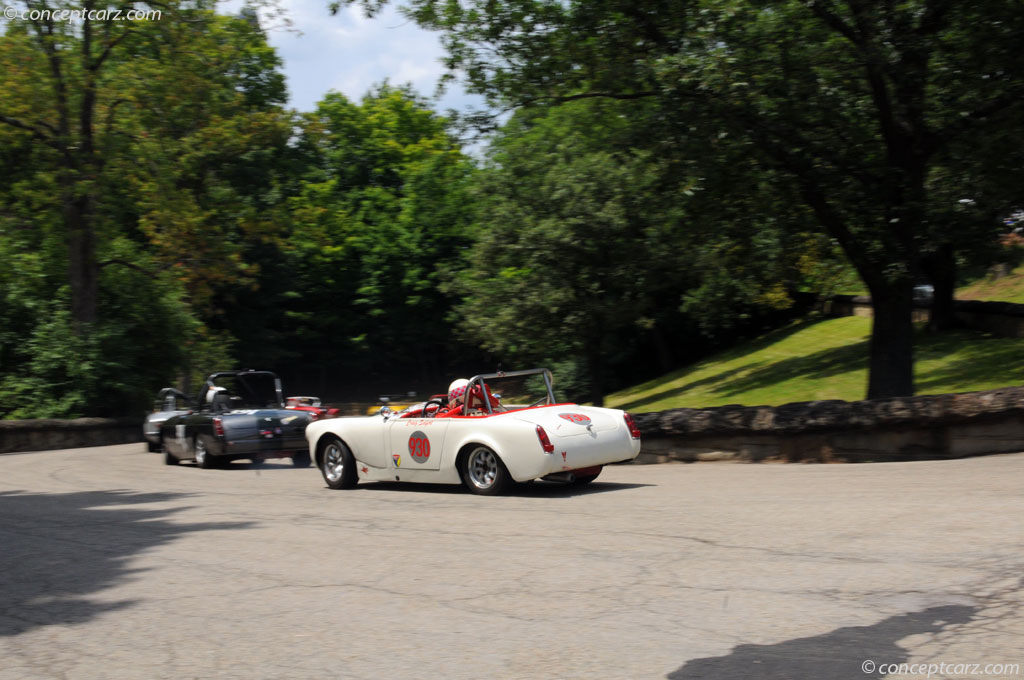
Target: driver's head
(457, 391)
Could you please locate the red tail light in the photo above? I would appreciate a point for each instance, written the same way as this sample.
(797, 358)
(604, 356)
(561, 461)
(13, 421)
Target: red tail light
(545, 443)
(634, 431)
(218, 427)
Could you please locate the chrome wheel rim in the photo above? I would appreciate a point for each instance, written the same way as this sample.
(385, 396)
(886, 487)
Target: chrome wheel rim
(200, 451)
(334, 462)
(482, 468)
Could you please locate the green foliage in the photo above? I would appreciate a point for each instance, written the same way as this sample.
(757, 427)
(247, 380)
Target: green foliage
(134, 201)
(567, 253)
(872, 116)
(381, 213)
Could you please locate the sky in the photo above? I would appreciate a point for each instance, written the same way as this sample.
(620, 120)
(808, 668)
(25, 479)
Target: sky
(350, 54)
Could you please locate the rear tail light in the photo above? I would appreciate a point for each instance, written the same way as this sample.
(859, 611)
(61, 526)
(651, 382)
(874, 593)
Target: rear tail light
(545, 443)
(634, 431)
(218, 427)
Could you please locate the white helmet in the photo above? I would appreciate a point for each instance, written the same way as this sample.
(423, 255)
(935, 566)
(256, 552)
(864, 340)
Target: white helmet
(457, 391)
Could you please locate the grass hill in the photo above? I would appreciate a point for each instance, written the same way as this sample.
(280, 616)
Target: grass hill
(826, 359)
(1005, 289)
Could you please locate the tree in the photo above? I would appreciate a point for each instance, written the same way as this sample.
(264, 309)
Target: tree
(854, 105)
(379, 215)
(171, 129)
(567, 257)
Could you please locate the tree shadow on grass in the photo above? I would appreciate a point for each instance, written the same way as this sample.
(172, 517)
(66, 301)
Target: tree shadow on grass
(979, 359)
(839, 655)
(818, 365)
(60, 549)
(763, 342)
(682, 389)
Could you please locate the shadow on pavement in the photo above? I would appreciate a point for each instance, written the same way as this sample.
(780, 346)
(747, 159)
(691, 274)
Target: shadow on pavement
(839, 655)
(538, 489)
(59, 550)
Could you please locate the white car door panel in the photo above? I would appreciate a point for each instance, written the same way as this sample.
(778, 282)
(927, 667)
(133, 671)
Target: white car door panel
(416, 443)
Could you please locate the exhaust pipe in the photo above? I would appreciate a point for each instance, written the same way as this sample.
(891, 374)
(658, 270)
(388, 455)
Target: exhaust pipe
(564, 477)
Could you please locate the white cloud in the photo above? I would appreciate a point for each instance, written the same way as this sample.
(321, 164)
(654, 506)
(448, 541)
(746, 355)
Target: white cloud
(351, 53)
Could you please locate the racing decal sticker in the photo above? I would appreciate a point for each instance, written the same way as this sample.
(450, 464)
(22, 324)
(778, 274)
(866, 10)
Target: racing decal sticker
(577, 418)
(398, 460)
(419, 447)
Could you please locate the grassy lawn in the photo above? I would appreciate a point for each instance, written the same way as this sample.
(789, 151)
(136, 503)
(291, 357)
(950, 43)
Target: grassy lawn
(826, 359)
(1007, 289)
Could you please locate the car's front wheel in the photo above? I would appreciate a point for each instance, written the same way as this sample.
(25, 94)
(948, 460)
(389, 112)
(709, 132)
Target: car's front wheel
(338, 465)
(484, 473)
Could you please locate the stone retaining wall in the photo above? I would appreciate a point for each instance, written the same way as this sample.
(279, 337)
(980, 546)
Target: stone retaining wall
(46, 434)
(909, 428)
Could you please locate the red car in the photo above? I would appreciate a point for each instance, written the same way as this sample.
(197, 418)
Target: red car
(311, 405)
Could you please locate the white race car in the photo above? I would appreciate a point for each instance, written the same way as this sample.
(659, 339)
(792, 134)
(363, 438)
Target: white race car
(487, 433)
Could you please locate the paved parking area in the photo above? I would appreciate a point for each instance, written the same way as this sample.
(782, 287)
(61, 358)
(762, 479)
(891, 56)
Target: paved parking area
(113, 565)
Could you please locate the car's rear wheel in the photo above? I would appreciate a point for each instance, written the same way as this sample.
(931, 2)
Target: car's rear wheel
(338, 465)
(169, 458)
(484, 473)
(204, 458)
(586, 479)
(301, 459)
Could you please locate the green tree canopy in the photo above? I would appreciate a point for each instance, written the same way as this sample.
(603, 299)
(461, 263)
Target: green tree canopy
(862, 108)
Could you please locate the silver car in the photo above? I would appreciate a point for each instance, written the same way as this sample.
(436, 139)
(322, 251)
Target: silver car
(169, 402)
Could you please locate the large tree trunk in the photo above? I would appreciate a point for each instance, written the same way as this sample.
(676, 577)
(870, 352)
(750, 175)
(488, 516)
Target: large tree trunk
(891, 355)
(83, 270)
(940, 267)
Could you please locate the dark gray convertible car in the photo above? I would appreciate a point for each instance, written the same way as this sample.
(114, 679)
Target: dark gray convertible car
(237, 415)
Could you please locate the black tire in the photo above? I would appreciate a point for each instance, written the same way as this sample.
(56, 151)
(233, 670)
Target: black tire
(204, 458)
(483, 472)
(153, 448)
(586, 479)
(337, 464)
(169, 458)
(302, 459)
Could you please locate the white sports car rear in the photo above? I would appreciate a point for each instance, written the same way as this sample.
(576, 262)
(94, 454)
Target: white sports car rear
(484, 439)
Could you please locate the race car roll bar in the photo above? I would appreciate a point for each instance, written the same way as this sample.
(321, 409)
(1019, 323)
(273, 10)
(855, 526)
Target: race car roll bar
(483, 377)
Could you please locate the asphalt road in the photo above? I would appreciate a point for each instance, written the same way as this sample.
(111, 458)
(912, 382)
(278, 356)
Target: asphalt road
(113, 565)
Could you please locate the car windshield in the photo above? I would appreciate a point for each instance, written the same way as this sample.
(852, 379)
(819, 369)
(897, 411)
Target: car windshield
(250, 390)
(519, 389)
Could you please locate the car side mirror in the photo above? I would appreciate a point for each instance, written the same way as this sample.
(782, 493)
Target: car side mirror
(385, 411)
